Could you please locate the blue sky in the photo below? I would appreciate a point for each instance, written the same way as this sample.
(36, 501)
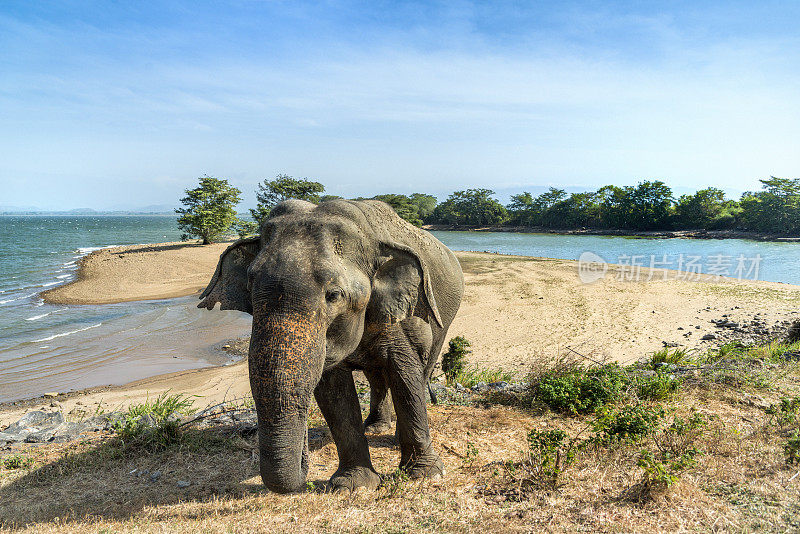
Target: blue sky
(124, 104)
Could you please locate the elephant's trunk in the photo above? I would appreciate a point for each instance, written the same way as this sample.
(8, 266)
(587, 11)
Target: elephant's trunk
(287, 352)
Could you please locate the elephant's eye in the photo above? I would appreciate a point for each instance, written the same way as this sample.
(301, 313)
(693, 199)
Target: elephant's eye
(334, 295)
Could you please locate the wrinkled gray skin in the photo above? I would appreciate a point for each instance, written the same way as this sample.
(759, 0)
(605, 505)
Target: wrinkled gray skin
(332, 288)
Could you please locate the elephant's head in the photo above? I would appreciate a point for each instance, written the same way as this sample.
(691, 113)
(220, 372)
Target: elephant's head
(312, 280)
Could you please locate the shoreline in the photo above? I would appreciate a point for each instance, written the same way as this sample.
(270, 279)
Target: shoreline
(651, 234)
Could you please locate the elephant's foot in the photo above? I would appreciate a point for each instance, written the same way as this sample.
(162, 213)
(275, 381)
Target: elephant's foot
(349, 478)
(377, 425)
(428, 465)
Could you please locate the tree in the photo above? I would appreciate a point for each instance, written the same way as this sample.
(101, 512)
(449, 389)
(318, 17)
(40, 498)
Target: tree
(425, 204)
(776, 209)
(648, 206)
(272, 192)
(473, 206)
(209, 211)
(529, 211)
(701, 210)
(403, 206)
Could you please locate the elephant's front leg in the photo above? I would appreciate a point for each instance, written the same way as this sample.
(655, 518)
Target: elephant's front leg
(407, 347)
(379, 419)
(337, 399)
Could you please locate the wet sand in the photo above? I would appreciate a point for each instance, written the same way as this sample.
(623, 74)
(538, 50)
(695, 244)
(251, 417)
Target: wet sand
(516, 310)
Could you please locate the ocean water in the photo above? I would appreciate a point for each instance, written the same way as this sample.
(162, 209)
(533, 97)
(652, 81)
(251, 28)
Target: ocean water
(47, 347)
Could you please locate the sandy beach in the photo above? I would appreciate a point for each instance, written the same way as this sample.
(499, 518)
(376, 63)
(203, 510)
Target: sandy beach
(516, 310)
(139, 272)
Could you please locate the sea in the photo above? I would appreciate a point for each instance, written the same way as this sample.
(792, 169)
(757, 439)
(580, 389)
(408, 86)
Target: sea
(57, 348)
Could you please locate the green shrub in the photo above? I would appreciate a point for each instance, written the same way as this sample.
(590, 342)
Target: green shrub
(17, 462)
(551, 453)
(660, 386)
(667, 355)
(676, 451)
(154, 424)
(579, 390)
(661, 470)
(792, 449)
(786, 412)
(454, 360)
(628, 424)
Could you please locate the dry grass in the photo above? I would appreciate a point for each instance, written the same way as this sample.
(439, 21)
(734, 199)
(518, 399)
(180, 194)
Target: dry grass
(740, 484)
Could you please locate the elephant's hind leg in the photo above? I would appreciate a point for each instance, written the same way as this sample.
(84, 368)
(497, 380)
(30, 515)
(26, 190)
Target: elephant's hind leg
(407, 347)
(379, 419)
(337, 399)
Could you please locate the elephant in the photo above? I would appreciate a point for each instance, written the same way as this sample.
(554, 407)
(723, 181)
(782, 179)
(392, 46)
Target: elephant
(333, 288)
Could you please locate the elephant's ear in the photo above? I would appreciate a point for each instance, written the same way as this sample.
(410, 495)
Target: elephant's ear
(228, 286)
(397, 283)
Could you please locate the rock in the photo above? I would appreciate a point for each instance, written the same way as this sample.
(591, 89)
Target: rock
(155, 475)
(56, 404)
(498, 386)
(671, 344)
(41, 436)
(69, 431)
(97, 423)
(709, 337)
(51, 395)
(184, 483)
(33, 423)
(459, 387)
(480, 387)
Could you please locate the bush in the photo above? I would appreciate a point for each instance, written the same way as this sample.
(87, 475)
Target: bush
(454, 360)
(551, 452)
(786, 412)
(154, 424)
(792, 449)
(676, 451)
(660, 386)
(579, 390)
(628, 424)
(16, 462)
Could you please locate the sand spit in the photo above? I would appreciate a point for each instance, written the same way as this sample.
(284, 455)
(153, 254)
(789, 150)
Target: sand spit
(139, 272)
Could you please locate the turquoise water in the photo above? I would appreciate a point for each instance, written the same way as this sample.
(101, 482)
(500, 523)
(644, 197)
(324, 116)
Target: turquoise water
(47, 347)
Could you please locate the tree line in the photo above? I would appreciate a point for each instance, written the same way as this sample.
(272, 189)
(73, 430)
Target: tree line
(209, 210)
